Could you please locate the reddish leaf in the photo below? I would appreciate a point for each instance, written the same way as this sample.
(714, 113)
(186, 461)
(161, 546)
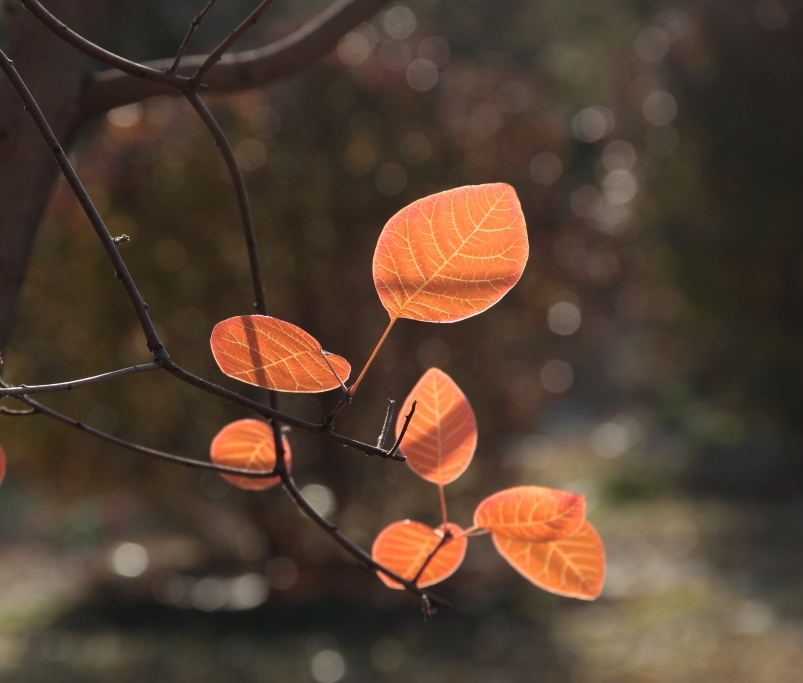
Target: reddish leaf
(574, 566)
(404, 546)
(275, 354)
(532, 513)
(2, 464)
(249, 445)
(451, 255)
(442, 435)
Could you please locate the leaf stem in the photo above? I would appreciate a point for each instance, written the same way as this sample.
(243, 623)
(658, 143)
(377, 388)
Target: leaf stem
(370, 360)
(442, 498)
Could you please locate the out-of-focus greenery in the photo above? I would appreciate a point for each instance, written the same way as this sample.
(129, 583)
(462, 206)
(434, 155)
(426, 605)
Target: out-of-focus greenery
(654, 148)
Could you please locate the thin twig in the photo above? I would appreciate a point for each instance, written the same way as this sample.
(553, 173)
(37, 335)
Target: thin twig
(196, 22)
(447, 536)
(17, 413)
(260, 302)
(237, 71)
(232, 38)
(265, 411)
(144, 450)
(380, 442)
(76, 383)
(342, 540)
(393, 451)
(96, 52)
(140, 307)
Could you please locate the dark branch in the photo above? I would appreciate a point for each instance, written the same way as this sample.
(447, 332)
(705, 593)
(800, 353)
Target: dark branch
(196, 22)
(139, 71)
(241, 70)
(141, 308)
(76, 383)
(393, 451)
(40, 409)
(380, 442)
(260, 302)
(447, 536)
(232, 38)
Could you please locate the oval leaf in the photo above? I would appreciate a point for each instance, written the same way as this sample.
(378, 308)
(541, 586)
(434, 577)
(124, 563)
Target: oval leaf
(451, 255)
(249, 445)
(442, 436)
(531, 513)
(275, 354)
(574, 566)
(403, 547)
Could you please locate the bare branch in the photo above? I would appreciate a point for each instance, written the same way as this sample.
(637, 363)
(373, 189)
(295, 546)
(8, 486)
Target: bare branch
(156, 76)
(76, 383)
(380, 442)
(241, 70)
(40, 409)
(17, 413)
(232, 38)
(394, 451)
(260, 302)
(196, 22)
(447, 536)
(140, 307)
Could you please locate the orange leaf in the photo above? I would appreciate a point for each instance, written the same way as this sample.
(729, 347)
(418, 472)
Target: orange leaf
(404, 546)
(531, 513)
(2, 464)
(442, 435)
(275, 354)
(574, 566)
(249, 445)
(451, 255)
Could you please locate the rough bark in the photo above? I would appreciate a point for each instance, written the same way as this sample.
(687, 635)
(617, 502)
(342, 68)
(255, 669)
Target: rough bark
(57, 75)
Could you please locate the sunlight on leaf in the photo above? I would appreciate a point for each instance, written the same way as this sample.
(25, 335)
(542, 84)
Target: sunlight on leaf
(275, 354)
(404, 546)
(532, 513)
(442, 436)
(247, 444)
(574, 566)
(451, 255)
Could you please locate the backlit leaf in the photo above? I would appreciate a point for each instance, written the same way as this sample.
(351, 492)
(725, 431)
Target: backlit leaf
(2, 464)
(249, 445)
(442, 435)
(275, 354)
(574, 566)
(404, 546)
(532, 513)
(451, 255)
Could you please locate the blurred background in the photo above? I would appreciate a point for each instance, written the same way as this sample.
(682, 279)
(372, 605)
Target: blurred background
(650, 357)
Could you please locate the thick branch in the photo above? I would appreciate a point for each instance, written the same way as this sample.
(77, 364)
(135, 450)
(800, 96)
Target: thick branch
(241, 70)
(76, 383)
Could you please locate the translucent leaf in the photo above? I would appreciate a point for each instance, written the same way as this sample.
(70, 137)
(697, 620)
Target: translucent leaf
(532, 513)
(451, 255)
(442, 436)
(574, 566)
(249, 445)
(275, 354)
(404, 546)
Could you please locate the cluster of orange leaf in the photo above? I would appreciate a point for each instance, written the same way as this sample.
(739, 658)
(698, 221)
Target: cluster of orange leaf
(442, 259)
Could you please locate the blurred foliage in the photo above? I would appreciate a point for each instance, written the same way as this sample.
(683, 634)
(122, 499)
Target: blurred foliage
(655, 150)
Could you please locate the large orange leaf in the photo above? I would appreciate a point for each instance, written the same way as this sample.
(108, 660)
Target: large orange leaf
(574, 566)
(249, 445)
(451, 255)
(404, 546)
(275, 354)
(532, 513)
(442, 435)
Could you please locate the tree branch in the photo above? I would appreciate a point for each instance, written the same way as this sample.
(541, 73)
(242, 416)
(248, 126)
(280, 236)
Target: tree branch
(196, 22)
(76, 383)
(232, 38)
(241, 70)
(260, 302)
